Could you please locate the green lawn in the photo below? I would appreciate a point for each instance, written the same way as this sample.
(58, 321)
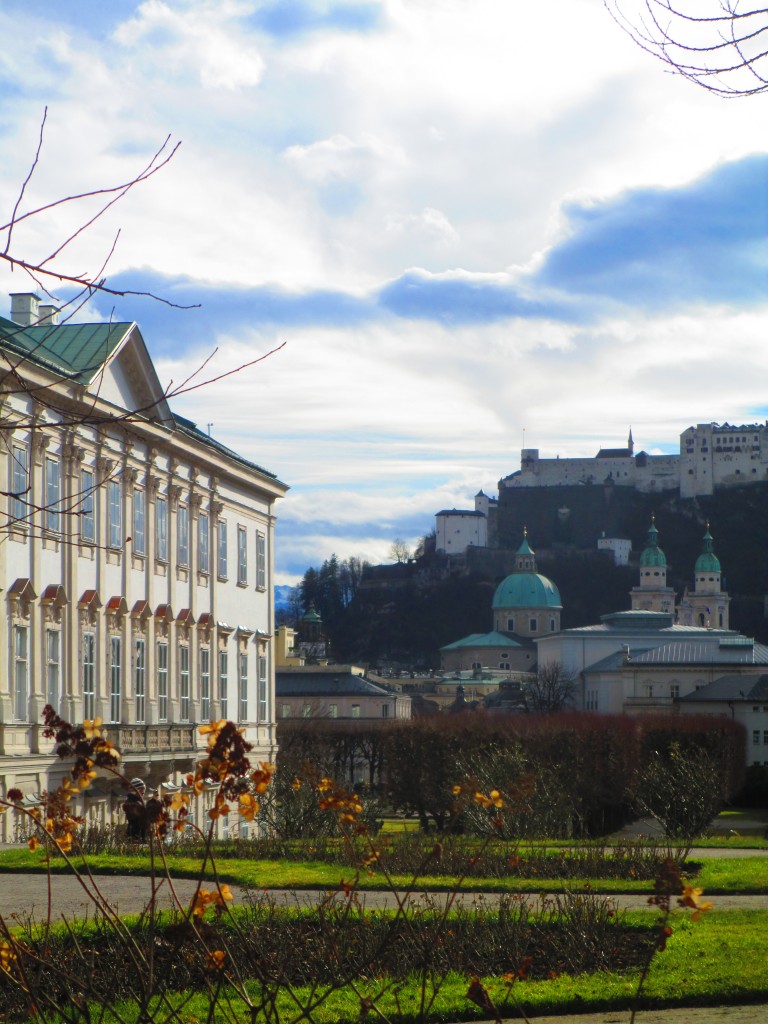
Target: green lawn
(720, 959)
(715, 961)
(717, 875)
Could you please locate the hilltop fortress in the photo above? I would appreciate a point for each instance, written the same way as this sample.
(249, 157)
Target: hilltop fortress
(712, 455)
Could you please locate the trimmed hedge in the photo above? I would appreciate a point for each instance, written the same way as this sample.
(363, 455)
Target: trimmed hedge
(567, 774)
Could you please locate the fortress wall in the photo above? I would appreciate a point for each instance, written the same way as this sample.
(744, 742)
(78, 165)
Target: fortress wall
(563, 472)
(659, 473)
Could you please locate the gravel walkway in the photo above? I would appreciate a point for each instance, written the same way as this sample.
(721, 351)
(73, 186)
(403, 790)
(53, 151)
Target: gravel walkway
(28, 894)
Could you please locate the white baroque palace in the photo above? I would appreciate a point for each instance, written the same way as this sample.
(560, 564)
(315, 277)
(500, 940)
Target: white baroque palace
(136, 563)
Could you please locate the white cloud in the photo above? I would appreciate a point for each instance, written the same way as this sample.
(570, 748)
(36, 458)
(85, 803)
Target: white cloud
(447, 140)
(430, 224)
(198, 39)
(341, 157)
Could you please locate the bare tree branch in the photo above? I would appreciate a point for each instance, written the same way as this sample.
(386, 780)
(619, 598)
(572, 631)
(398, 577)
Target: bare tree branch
(716, 44)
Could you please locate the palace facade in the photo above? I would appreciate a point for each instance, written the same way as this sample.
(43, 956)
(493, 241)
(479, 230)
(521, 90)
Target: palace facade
(136, 564)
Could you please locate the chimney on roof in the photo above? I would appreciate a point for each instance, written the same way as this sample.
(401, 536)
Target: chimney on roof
(24, 308)
(49, 315)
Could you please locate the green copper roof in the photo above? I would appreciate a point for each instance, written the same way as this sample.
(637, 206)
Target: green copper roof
(652, 554)
(492, 639)
(525, 547)
(76, 351)
(526, 590)
(707, 560)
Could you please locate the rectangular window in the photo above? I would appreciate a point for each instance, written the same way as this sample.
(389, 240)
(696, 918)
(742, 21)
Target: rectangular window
(674, 690)
(182, 540)
(115, 677)
(755, 735)
(263, 693)
(333, 710)
(140, 679)
(385, 710)
(115, 517)
(221, 550)
(87, 507)
(765, 736)
(285, 710)
(224, 683)
(53, 667)
(203, 552)
(89, 676)
(19, 482)
(52, 494)
(242, 556)
(161, 529)
(162, 682)
(261, 562)
(21, 672)
(184, 683)
(205, 684)
(306, 711)
(243, 689)
(355, 710)
(139, 517)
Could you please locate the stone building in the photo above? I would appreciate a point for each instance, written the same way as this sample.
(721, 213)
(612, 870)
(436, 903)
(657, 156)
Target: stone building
(136, 565)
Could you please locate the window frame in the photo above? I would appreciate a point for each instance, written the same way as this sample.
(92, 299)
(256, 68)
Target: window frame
(114, 515)
(185, 702)
(162, 680)
(242, 686)
(53, 668)
(182, 536)
(139, 534)
(205, 684)
(221, 549)
(140, 679)
(242, 556)
(203, 544)
(20, 672)
(52, 515)
(223, 668)
(88, 674)
(87, 511)
(263, 694)
(261, 560)
(19, 482)
(115, 677)
(161, 528)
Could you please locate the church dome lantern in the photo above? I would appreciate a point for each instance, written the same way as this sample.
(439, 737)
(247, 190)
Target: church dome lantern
(652, 555)
(525, 602)
(707, 560)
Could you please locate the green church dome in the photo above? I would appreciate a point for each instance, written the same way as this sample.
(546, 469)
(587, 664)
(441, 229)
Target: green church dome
(652, 554)
(526, 590)
(707, 560)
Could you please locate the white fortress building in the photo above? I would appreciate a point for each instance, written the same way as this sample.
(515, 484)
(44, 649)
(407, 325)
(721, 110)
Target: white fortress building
(712, 455)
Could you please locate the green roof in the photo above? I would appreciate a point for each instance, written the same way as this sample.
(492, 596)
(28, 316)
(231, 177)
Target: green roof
(492, 639)
(525, 547)
(652, 554)
(75, 351)
(707, 560)
(526, 590)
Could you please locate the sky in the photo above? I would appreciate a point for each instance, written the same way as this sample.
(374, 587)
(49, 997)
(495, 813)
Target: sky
(471, 224)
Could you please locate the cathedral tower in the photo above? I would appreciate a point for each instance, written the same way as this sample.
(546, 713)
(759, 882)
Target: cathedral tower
(652, 593)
